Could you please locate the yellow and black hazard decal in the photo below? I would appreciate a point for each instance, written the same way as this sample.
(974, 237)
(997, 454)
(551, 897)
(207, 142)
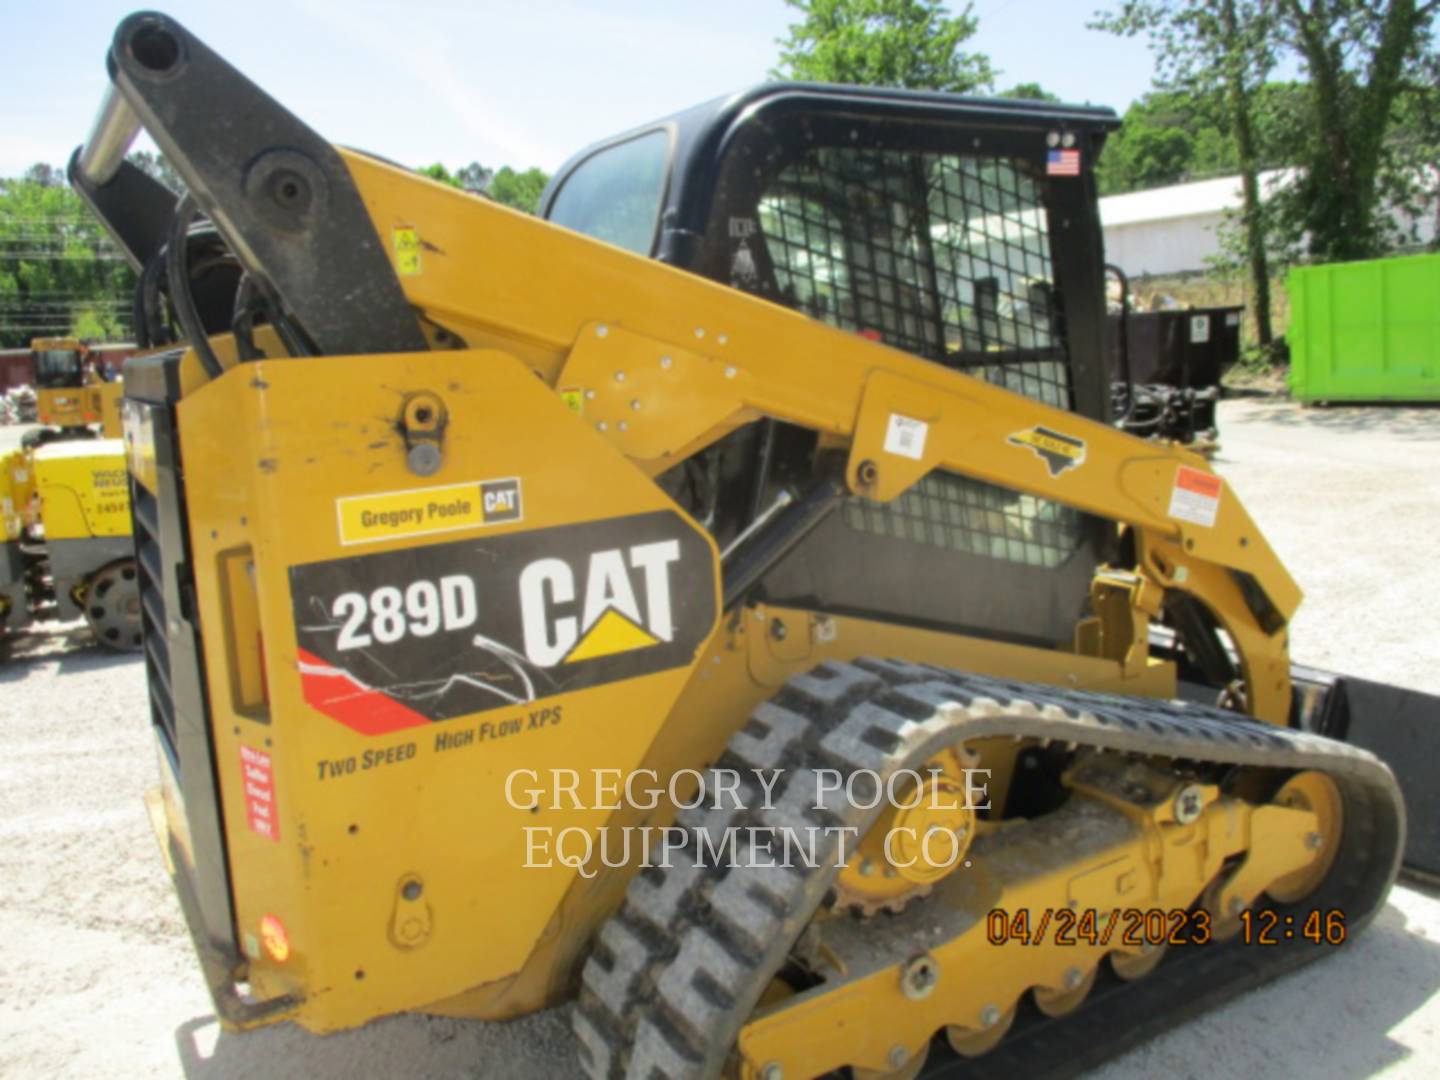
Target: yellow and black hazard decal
(402, 638)
(407, 250)
(1059, 452)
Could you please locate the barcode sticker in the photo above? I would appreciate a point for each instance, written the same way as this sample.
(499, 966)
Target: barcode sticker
(1196, 497)
(905, 437)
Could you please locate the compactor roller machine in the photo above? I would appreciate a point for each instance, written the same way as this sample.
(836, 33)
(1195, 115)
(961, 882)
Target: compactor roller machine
(65, 549)
(724, 604)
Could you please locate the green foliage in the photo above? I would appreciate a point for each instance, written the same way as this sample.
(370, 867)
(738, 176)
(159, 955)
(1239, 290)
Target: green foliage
(1029, 91)
(1173, 136)
(907, 43)
(521, 190)
(1221, 52)
(156, 166)
(1362, 128)
(439, 173)
(474, 177)
(1370, 132)
(59, 274)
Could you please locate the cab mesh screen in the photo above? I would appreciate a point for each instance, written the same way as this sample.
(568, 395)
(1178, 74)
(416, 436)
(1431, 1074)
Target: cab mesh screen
(947, 257)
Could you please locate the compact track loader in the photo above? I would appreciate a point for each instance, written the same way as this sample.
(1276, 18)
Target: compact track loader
(71, 397)
(725, 603)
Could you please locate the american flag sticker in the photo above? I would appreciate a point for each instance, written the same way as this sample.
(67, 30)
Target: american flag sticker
(1062, 163)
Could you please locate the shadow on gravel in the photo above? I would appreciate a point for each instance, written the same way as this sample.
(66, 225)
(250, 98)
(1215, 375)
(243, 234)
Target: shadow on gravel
(1336, 1020)
(1410, 421)
(72, 644)
(69, 642)
(535, 1047)
(1251, 393)
(1396, 972)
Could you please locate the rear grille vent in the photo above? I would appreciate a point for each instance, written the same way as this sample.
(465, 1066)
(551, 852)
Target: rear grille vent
(152, 604)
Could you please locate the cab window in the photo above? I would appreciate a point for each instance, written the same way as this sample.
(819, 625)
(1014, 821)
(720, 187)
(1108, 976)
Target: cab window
(614, 195)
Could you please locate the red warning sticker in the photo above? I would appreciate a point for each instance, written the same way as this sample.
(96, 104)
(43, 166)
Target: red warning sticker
(259, 793)
(1196, 497)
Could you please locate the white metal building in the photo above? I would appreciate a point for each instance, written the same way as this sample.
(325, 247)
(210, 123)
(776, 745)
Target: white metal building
(1172, 230)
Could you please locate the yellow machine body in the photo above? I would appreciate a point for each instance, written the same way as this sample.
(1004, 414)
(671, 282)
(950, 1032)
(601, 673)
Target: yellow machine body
(433, 633)
(66, 549)
(64, 407)
(356, 817)
(64, 403)
(103, 406)
(17, 490)
(81, 488)
(76, 396)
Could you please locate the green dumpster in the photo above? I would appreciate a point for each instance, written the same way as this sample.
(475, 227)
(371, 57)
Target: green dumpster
(1366, 331)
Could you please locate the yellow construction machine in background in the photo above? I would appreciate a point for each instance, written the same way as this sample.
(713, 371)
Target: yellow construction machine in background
(72, 398)
(67, 549)
(65, 501)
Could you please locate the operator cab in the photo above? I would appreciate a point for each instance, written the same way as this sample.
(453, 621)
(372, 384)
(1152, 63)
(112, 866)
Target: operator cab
(58, 363)
(958, 229)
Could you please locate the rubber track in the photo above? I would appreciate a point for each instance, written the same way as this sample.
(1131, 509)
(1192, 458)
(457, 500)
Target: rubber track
(677, 971)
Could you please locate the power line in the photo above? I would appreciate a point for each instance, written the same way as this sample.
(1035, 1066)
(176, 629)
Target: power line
(49, 256)
(63, 294)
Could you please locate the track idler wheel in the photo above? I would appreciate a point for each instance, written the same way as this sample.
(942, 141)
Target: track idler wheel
(1136, 965)
(112, 605)
(1056, 1003)
(971, 1042)
(907, 1069)
(927, 836)
(1316, 792)
(1309, 790)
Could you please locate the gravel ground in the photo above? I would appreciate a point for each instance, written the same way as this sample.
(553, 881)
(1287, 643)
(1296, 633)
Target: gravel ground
(97, 977)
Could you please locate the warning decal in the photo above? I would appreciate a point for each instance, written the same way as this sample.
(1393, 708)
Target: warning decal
(407, 251)
(1196, 497)
(259, 779)
(399, 639)
(574, 399)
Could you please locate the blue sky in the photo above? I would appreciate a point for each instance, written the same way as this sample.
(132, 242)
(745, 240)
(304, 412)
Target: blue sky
(517, 82)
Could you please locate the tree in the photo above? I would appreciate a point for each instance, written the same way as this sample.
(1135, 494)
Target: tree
(1166, 137)
(1223, 50)
(1364, 58)
(1171, 136)
(474, 177)
(1029, 91)
(440, 174)
(1147, 157)
(522, 190)
(1411, 178)
(157, 167)
(907, 43)
(59, 274)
